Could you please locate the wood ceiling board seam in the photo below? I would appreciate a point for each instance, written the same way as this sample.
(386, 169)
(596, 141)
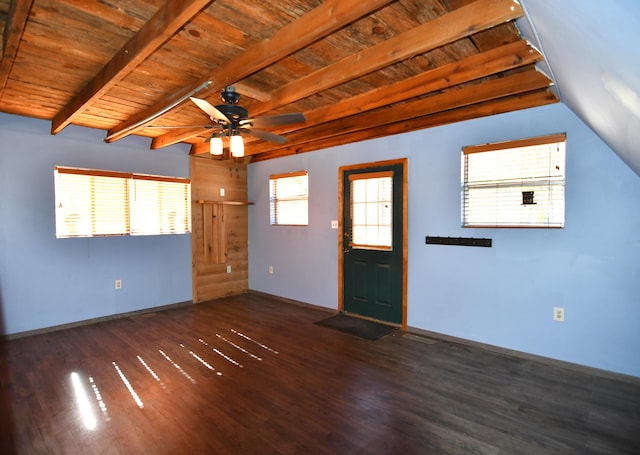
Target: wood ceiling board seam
(55, 23)
(126, 20)
(4, 14)
(255, 24)
(48, 50)
(207, 39)
(212, 30)
(495, 36)
(11, 36)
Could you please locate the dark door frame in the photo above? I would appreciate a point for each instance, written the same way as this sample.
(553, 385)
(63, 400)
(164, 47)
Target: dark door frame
(405, 227)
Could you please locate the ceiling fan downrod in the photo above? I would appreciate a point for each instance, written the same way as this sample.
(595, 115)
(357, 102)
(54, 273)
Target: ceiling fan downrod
(229, 95)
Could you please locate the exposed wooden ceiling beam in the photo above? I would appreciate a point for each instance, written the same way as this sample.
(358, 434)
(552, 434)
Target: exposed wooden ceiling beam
(477, 66)
(450, 27)
(494, 61)
(175, 136)
(13, 29)
(165, 23)
(318, 23)
(452, 99)
(503, 105)
(482, 65)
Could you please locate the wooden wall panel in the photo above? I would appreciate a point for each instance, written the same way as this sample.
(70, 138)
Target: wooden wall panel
(219, 228)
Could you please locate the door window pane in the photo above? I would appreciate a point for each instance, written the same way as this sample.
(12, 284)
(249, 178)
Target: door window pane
(371, 210)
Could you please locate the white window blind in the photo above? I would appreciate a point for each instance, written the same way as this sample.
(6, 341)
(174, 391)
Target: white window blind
(371, 210)
(514, 184)
(100, 203)
(289, 199)
(159, 206)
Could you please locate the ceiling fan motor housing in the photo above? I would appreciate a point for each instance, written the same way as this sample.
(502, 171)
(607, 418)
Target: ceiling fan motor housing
(233, 112)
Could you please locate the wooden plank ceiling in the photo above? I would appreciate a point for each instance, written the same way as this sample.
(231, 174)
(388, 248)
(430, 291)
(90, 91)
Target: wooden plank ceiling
(356, 69)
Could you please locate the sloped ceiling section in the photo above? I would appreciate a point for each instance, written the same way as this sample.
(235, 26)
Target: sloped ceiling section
(593, 52)
(356, 69)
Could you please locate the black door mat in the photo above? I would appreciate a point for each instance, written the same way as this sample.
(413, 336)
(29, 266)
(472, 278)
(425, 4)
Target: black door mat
(362, 328)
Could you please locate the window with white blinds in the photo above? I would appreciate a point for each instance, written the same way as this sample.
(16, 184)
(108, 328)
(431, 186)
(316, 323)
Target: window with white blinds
(92, 203)
(289, 199)
(514, 184)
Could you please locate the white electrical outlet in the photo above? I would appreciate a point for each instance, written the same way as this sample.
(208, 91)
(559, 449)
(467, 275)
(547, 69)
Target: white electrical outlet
(118, 284)
(334, 224)
(221, 191)
(228, 269)
(558, 314)
(270, 270)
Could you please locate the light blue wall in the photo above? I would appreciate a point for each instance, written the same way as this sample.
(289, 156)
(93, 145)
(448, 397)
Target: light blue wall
(502, 295)
(46, 281)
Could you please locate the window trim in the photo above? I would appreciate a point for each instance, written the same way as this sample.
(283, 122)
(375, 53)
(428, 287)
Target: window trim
(124, 175)
(516, 143)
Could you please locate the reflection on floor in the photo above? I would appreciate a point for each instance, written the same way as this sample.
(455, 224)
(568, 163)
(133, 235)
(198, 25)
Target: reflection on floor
(88, 405)
(252, 374)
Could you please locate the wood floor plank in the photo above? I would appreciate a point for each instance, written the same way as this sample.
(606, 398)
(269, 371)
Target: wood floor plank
(253, 374)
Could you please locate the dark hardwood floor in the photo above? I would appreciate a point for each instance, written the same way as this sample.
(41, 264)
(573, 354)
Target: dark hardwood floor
(252, 374)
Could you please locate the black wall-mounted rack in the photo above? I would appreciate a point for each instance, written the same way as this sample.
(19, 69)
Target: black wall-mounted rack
(459, 241)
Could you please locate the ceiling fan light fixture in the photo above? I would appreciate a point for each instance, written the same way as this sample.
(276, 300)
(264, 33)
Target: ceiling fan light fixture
(237, 146)
(215, 146)
(232, 121)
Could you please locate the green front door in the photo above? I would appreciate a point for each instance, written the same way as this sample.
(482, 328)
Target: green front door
(372, 228)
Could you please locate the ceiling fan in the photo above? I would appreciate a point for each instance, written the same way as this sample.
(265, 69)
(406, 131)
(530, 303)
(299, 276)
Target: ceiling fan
(232, 121)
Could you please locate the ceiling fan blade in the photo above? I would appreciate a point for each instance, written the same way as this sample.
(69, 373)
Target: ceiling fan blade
(211, 111)
(265, 135)
(270, 121)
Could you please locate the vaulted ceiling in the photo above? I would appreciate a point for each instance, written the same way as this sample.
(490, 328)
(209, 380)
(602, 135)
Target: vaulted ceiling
(591, 49)
(356, 69)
